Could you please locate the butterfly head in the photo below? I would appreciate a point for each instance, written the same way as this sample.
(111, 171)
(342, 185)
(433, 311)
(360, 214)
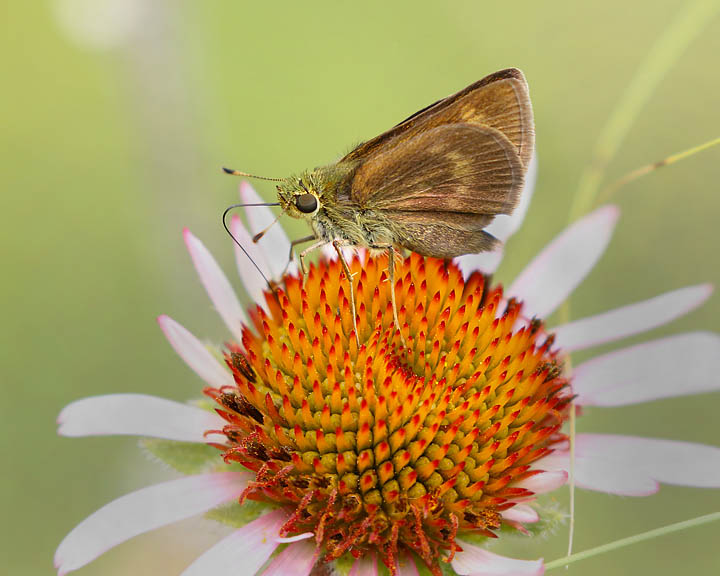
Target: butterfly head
(298, 197)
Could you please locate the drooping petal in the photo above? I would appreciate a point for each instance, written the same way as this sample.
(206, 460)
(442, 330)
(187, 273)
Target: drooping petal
(599, 476)
(633, 466)
(474, 560)
(554, 273)
(675, 366)
(365, 566)
(521, 513)
(502, 227)
(274, 244)
(485, 262)
(217, 285)
(145, 510)
(629, 320)
(194, 353)
(249, 548)
(138, 415)
(297, 559)
(543, 482)
(254, 283)
(406, 566)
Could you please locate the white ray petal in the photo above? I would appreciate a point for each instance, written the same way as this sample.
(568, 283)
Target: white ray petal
(485, 262)
(406, 566)
(145, 510)
(675, 366)
(521, 513)
(194, 353)
(667, 461)
(599, 476)
(274, 244)
(217, 285)
(476, 561)
(502, 227)
(297, 559)
(365, 566)
(632, 319)
(633, 466)
(138, 415)
(554, 273)
(249, 548)
(545, 481)
(255, 284)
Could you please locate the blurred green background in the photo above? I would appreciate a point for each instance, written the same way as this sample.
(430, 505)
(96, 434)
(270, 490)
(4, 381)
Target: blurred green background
(116, 117)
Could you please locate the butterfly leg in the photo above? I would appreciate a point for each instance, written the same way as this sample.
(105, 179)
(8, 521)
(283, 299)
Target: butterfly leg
(337, 245)
(391, 277)
(292, 247)
(307, 250)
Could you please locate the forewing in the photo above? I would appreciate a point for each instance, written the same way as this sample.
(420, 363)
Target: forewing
(456, 168)
(500, 100)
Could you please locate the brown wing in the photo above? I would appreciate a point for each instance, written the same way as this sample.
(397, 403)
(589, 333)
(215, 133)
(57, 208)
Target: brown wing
(448, 237)
(456, 168)
(500, 100)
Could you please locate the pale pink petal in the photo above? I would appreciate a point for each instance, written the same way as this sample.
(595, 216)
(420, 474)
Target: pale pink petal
(675, 366)
(554, 273)
(633, 466)
(406, 566)
(217, 285)
(194, 353)
(485, 262)
(249, 548)
(290, 539)
(274, 244)
(600, 476)
(349, 252)
(255, 284)
(365, 566)
(521, 513)
(629, 320)
(667, 461)
(297, 559)
(145, 510)
(137, 415)
(476, 561)
(502, 227)
(545, 481)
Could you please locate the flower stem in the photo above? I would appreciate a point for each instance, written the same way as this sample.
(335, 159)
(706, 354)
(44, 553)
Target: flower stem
(664, 53)
(649, 535)
(608, 192)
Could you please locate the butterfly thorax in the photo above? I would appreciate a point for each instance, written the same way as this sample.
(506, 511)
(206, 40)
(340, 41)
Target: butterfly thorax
(323, 197)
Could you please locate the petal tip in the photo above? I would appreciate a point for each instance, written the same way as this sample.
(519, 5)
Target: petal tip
(190, 240)
(707, 289)
(610, 211)
(246, 187)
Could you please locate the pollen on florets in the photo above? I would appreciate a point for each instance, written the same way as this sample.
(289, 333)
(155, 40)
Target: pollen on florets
(383, 447)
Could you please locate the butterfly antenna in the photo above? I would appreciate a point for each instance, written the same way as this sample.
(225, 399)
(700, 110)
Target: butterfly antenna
(227, 229)
(238, 173)
(260, 234)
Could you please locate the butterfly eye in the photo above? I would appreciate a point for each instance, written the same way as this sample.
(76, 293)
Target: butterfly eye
(306, 203)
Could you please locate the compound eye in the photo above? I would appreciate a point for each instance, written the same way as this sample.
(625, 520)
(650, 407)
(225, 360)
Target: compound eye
(306, 203)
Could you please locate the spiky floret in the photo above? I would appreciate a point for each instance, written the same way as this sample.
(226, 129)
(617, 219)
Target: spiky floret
(381, 447)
